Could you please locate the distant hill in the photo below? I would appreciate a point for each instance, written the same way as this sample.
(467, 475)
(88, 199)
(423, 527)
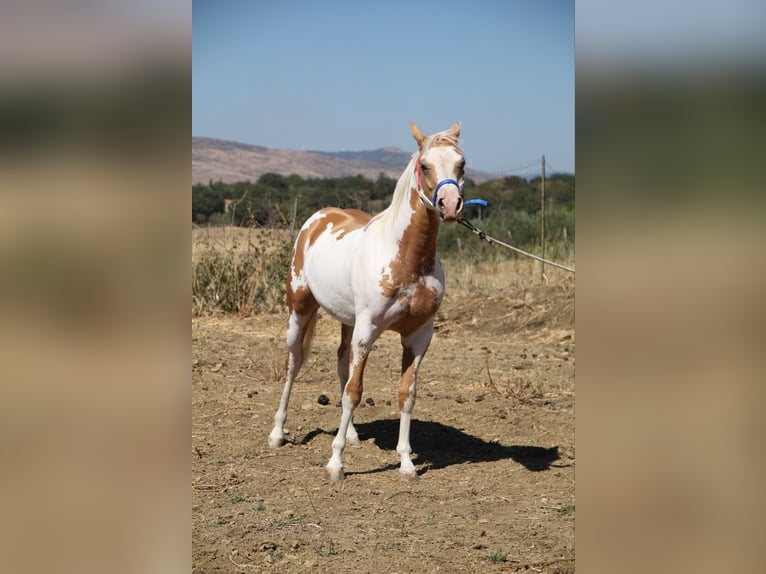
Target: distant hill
(214, 159)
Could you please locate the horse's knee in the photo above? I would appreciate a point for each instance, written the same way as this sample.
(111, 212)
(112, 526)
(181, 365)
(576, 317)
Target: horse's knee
(406, 400)
(354, 393)
(403, 396)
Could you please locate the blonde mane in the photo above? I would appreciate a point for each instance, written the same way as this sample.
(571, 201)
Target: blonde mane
(402, 190)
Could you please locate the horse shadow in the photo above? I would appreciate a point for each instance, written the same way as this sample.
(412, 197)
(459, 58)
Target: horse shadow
(437, 446)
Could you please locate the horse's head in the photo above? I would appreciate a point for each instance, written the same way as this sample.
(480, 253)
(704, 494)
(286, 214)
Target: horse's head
(439, 168)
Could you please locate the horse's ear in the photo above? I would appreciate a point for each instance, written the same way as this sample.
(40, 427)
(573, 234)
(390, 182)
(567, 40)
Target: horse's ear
(417, 134)
(455, 129)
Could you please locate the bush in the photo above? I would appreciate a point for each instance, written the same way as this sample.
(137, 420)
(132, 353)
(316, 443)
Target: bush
(518, 228)
(241, 279)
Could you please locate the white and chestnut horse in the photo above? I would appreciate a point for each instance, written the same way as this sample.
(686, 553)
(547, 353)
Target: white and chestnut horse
(375, 274)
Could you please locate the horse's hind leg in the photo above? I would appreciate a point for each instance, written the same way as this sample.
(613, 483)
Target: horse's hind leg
(346, 331)
(300, 329)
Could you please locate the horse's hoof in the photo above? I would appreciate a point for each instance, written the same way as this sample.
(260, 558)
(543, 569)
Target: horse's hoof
(408, 475)
(276, 441)
(335, 474)
(353, 441)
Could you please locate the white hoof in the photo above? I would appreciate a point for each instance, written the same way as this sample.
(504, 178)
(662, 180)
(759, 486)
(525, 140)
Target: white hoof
(408, 475)
(353, 440)
(276, 441)
(335, 474)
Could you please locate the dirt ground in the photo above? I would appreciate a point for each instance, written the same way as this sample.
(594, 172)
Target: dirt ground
(492, 439)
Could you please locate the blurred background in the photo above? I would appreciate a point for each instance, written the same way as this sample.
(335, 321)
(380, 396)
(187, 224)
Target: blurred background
(669, 131)
(95, 128)
(94, 290)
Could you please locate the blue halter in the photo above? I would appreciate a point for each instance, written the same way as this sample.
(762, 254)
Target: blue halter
(441, 183)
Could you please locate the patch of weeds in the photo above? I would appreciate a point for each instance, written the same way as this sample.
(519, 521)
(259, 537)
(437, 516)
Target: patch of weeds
(237, 497)
(324, 550)
(240, 279)
(259, 506)
(289, 520)
(329, 551)
(523, 390)
(498, 556)
(566, 509)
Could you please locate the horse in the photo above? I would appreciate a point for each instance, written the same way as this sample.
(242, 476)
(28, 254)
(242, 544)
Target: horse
(374, 274)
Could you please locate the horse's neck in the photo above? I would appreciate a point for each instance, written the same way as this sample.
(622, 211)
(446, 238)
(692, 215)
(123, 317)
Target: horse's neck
(416, 233)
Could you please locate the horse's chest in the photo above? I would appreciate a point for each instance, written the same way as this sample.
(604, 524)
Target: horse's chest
(414, 305)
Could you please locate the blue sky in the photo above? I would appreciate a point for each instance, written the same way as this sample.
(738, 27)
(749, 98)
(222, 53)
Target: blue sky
(336, 75)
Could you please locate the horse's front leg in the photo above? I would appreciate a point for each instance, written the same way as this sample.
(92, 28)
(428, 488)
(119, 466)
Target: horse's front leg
(414, 347)
(364, 335)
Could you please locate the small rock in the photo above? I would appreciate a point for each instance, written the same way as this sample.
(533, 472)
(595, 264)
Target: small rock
(370, 401)
(251, 393)
(323, 400)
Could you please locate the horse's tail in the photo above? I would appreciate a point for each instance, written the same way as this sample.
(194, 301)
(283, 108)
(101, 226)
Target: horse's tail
(308, 336)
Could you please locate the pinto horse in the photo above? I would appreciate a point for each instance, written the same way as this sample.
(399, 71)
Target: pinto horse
(375, 274)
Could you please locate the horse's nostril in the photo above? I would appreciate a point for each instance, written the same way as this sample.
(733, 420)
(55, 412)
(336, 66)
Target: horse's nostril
(459, 204)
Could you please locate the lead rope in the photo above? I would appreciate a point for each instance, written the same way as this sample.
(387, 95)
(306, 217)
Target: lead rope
(492, 240)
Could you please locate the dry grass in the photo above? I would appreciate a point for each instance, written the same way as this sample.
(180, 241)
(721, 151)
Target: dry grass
(238, 270)
(501, 274)
(242, 270)
(226, 239)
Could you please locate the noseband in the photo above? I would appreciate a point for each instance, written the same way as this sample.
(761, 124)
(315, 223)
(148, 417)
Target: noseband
(438, 185)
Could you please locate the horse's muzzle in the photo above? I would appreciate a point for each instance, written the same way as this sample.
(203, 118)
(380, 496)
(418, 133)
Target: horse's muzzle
(450, 207)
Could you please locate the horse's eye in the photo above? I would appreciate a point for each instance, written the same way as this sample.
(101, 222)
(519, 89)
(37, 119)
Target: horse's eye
(423, 167)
